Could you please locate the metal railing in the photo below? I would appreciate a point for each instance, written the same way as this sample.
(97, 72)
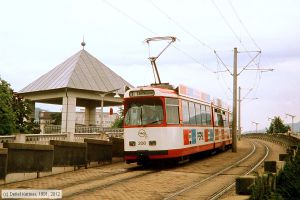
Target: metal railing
(105, 134)
(49, 129)
(88, 129)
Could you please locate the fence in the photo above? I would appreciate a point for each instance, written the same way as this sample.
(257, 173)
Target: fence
(52, 129)
(282, 139)
(49, 129)
(105, 134)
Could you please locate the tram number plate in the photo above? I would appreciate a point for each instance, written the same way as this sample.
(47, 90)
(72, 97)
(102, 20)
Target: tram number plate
(141, 142)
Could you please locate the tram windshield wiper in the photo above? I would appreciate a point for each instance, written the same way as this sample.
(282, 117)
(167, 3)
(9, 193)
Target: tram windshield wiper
(156, 121)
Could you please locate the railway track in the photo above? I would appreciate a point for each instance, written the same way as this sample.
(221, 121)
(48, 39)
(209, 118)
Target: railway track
(96, 185)
(223, 191)
(201, 184)
(186, 181)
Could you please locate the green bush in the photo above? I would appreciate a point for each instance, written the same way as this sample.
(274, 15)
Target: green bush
(287, 183)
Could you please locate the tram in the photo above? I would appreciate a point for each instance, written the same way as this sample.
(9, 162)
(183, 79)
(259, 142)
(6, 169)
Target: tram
(163, 122)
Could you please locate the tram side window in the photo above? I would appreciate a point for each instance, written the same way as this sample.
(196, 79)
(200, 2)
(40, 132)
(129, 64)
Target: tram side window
(198, 114)
(192, 113)
(185, 112)
(203, 115)
(218, 118)
(172, 111)
(225, 117)
(208, 115)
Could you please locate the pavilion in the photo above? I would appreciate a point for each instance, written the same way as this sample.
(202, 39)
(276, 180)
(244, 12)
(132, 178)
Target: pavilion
(82, 80)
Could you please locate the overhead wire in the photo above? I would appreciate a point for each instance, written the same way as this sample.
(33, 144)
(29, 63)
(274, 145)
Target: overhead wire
(258, 74)
(256, 83)
(243, 25)
(230, 27)
(128, 16)
(258, 80)
(247, 94)
(218, 58)
(247, 65)
(226, 22)
(255, 86)
(180, 26)
(192, 58)
(199, 41)
(186, 31)
(151, 31)
(228, 89)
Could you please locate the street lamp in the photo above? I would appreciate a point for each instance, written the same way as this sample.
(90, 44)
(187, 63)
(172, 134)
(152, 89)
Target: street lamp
(256, 124)
(102, 102)
(292, 116)
(271, 119)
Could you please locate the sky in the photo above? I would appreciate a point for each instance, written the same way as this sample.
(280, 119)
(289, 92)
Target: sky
(36, 36)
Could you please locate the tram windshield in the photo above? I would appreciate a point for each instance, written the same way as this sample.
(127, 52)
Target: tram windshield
(142, 112)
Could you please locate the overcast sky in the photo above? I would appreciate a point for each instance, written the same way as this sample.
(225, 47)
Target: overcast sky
(36, 36)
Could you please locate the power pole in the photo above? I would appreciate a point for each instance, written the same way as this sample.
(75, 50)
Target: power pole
(240, 101)
(235, 75)
(292, 116)
(234, 114)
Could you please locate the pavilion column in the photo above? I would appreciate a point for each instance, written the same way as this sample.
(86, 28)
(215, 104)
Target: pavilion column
(68, 114)
(90, 115)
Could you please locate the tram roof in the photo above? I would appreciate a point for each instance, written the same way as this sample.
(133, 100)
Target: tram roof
(181, 90)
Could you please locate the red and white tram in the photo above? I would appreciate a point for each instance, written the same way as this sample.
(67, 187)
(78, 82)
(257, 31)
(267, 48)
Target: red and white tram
(166, 123)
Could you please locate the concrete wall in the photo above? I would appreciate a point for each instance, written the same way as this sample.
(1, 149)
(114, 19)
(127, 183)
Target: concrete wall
(20, 161)
(117, 147)
(3, 163)
(98, 150)
(29, 157)
(69, 153)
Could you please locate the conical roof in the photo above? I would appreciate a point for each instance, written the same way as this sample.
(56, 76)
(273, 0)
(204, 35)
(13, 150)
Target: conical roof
(81, 71)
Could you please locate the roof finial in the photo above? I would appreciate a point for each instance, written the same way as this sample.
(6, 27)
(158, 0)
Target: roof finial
(83, 43)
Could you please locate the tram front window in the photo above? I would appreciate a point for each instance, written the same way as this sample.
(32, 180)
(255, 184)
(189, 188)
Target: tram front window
(142, 112)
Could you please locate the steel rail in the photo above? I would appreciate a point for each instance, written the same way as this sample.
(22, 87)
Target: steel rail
(223, 191)
(210, 177)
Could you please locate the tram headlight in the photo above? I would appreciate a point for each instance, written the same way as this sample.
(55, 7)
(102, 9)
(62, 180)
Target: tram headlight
(132, 143)
(152, 143)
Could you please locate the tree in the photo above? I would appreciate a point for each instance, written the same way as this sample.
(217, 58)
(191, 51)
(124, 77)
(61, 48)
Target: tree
(56, 117)
(7, 116)
(15, 112)
(23, 115)
(22, 110)
(118, 123)
(277, 126)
